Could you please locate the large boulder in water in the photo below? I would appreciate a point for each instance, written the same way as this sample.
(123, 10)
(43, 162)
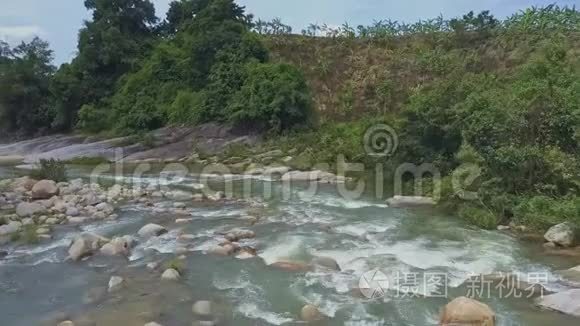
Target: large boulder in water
(567, 302)
(85, 245)
(291, 266)
(465, 311)
(44, 189)
(326, 262)
(410, 201)
(571, 276)
(151, 230)
(310, 313)
(29, 209)
(561, 234)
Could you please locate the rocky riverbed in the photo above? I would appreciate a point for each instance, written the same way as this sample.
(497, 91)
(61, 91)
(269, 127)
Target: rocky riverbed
(254, 243)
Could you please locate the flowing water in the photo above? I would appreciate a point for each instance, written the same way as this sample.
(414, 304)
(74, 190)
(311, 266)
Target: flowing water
(37, 284)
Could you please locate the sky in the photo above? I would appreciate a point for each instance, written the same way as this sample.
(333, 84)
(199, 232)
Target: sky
(58, 21)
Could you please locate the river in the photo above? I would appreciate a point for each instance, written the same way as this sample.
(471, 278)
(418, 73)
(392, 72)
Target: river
(362, 235)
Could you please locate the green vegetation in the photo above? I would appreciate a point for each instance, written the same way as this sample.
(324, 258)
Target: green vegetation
(87, 161)
(469, 91)
(52, 169)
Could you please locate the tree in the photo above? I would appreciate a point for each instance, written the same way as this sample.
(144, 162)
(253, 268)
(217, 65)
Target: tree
(180, 13)
(25, 73)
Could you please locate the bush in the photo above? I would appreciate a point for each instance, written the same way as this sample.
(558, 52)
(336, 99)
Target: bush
(51, 169)
(187, 107)
(274, 97)
(542, 212)
(478, 216)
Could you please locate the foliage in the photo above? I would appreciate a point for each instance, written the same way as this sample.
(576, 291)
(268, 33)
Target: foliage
(25, 73)
(274, 97)
(51, 169)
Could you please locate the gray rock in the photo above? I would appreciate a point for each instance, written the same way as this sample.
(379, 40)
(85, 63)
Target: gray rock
(9, 228)
(239, 234)
(410, 201)
(115, 283)
(561, 234)
(310, 313)
(202, 308)
(44, 189)
(567, 302)
(72, 211)
(326, 262)
(170, 275)
(571, 276)
(105, 208)
(29, 209)
(85, 245)
(151, 230)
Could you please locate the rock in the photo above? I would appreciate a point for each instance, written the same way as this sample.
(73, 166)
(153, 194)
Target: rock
(152, 266)
(571, 276)
(410, 201)
(66, 323)
(313, 176)
(170, 275)
(29, 209)
(291, 266)
(202, 308)
(41, 231)
(503, 227)
(11, 159)
(85, 245)
(465, 311)
(186, 238)
(44, 189)
(151, 230)
(91, 199)
(246, 253)
(117, 246)
(72, 211)
(25, 183)
(326, 262)
(561, 234)
(179, 205)
(183, 220)
(105, 208)
(224, 250)
(27, 221)
(153, 324)
(567, 302)
(9, 228)
(310, 313)
(549, 245)
(51, 221)
(76, 220)
(239, 234)
(115, 283)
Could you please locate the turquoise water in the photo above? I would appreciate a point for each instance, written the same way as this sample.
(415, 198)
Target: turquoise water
(362, 235)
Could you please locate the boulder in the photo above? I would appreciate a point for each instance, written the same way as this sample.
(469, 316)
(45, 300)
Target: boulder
(118, 246)
(29, 209)
(225, 250)
(567, 302)
(115, 283)
(66, 323)
(571, 276)
(151, 230)
(170, 275)
(291, 266)
(44, 189)
(72, 211)
(313, 176)
(410, 201)
(85, 245)
(326, 262)
(24, 183)
(202, 308)
(561, 234)
(310, 313)
(153, 324)
(239, 234)
(105, 208)
(465, 311)
(9, 228)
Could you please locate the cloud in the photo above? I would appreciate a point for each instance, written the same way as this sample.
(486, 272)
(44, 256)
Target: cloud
(16, 34)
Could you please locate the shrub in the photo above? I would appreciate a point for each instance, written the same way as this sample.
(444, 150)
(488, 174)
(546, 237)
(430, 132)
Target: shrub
(274, 97)
(51, 169)
(481, 217)
(543, 212)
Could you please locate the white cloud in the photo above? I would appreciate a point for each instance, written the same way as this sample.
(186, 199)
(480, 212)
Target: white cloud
(16, 34)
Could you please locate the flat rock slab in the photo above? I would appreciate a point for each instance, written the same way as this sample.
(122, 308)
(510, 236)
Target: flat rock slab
(567, 302)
